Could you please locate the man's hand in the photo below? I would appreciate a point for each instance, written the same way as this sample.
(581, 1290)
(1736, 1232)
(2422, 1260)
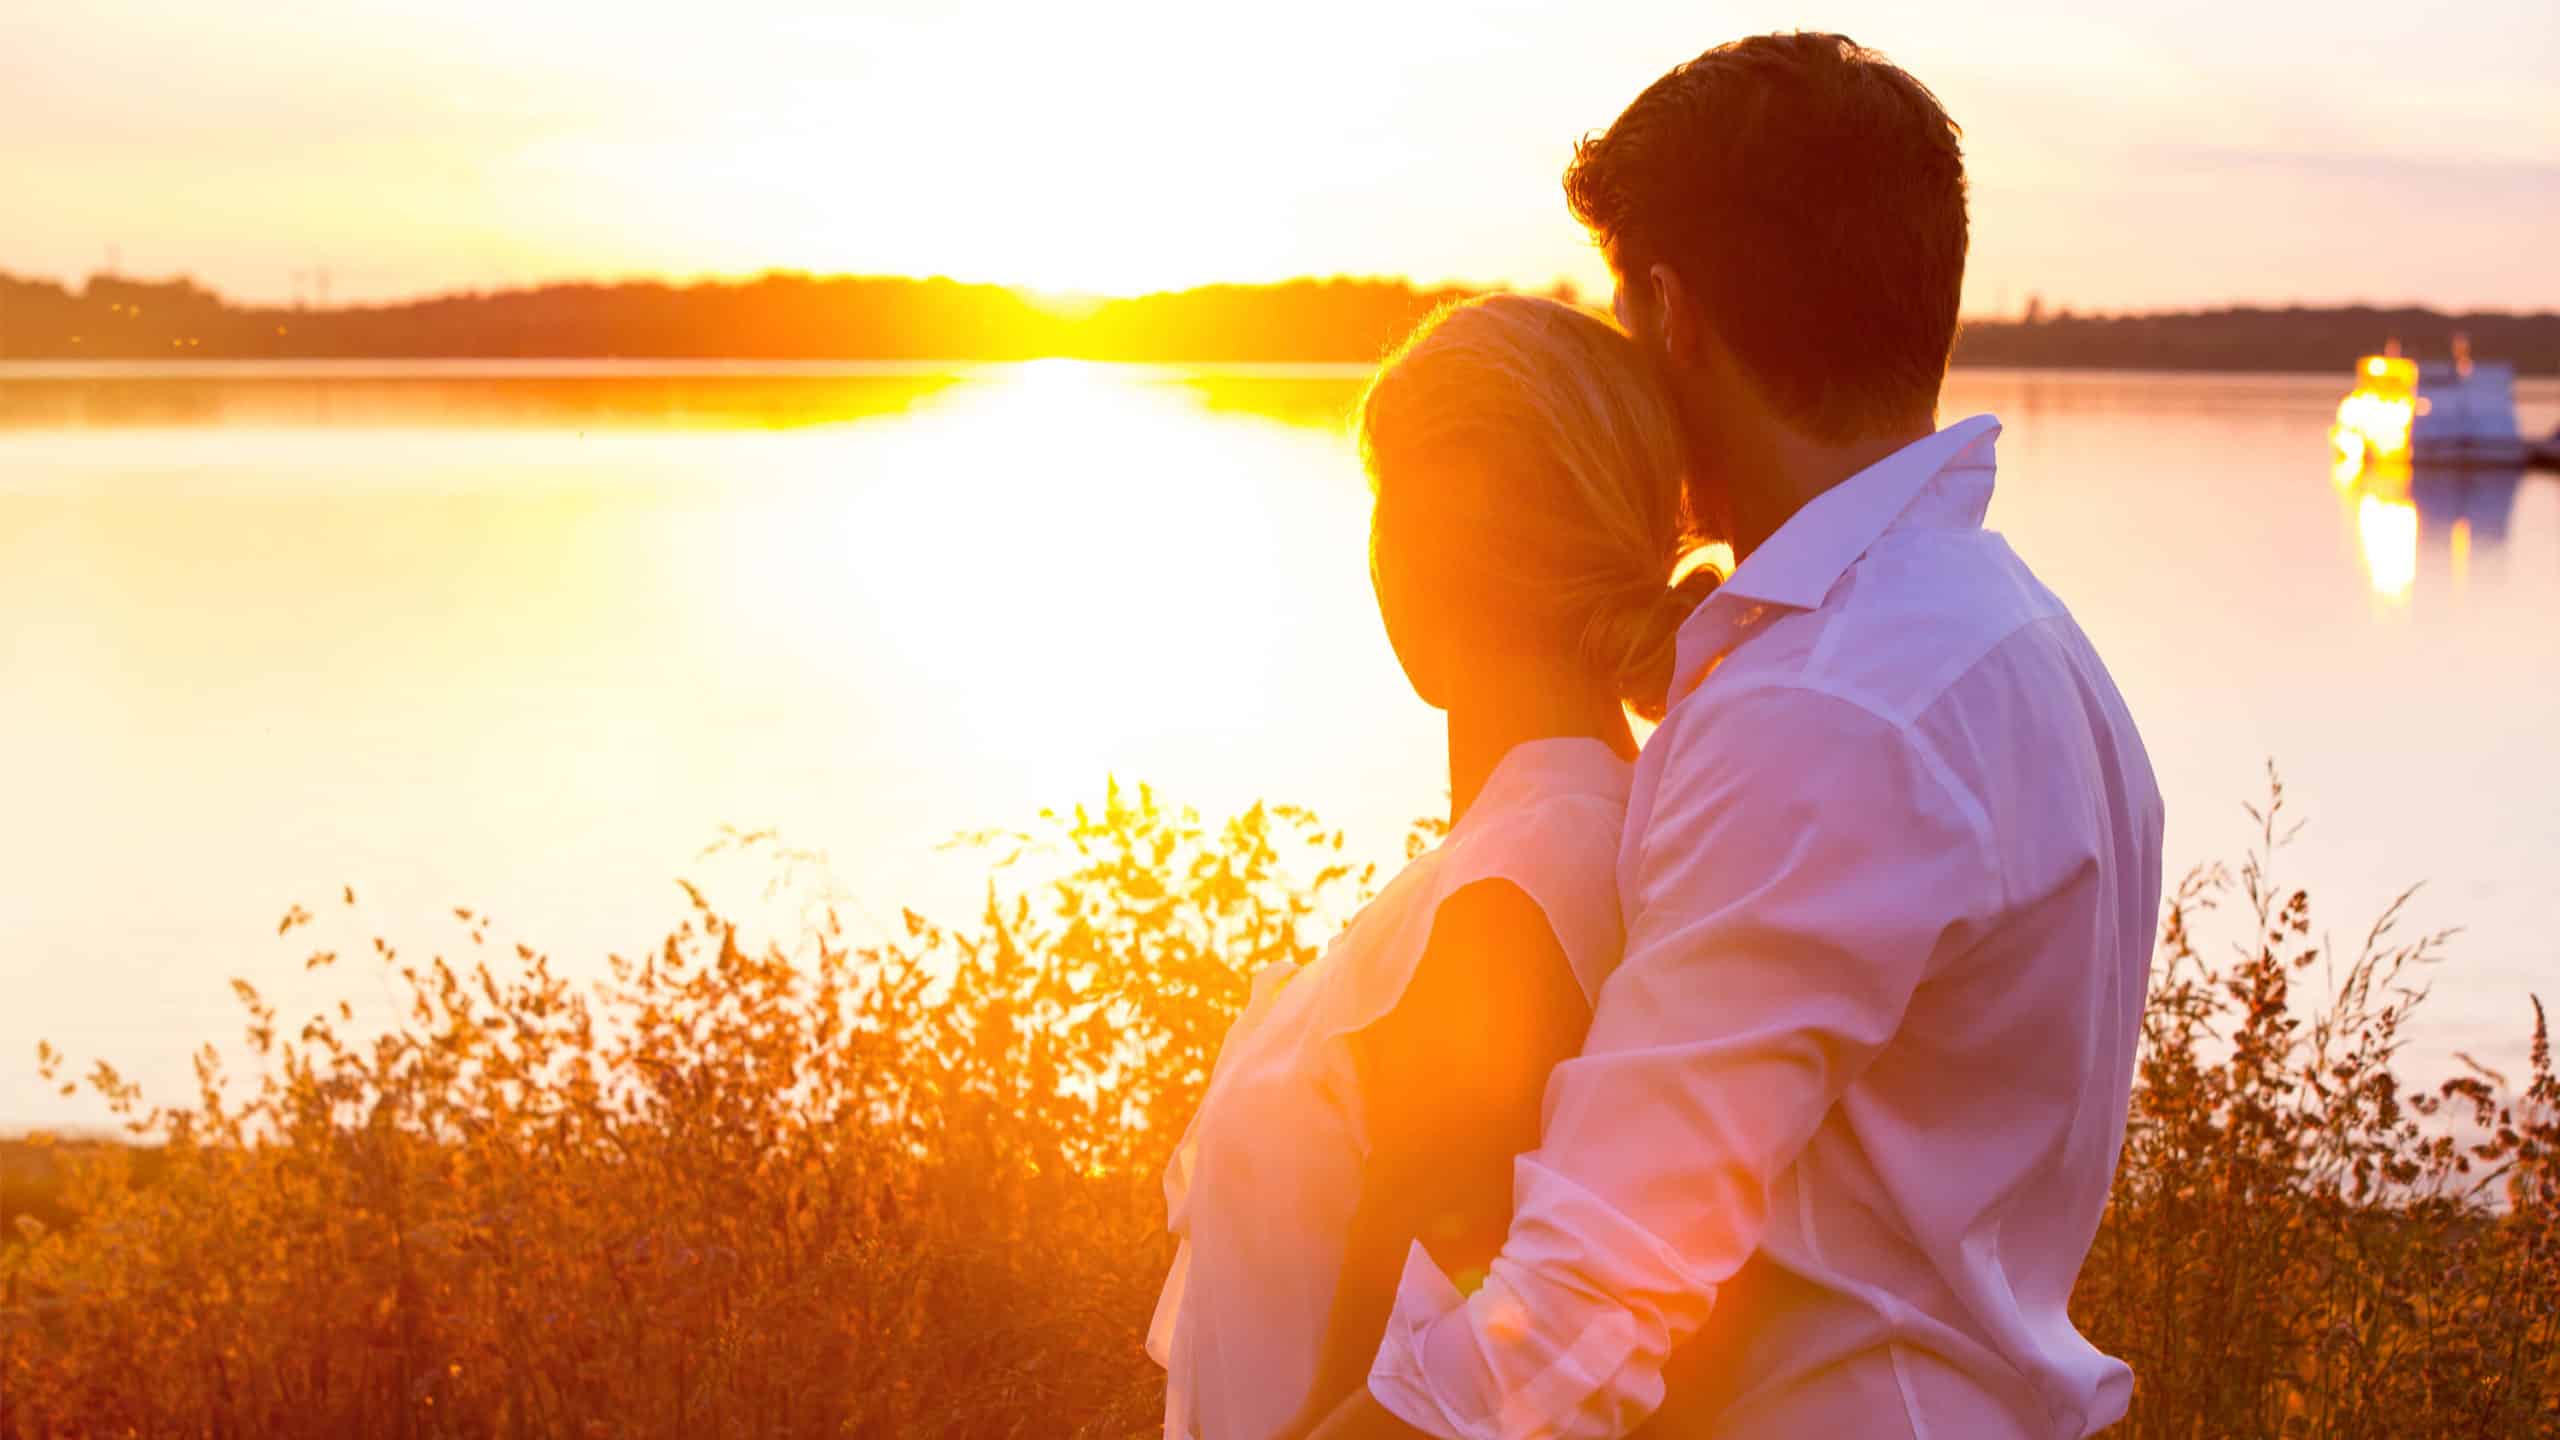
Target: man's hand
(1359, 1417)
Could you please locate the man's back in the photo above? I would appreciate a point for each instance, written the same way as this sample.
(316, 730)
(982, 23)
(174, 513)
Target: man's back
(1919, 1255)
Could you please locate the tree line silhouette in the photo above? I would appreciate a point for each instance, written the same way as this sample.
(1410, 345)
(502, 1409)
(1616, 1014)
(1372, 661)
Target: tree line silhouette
(2251, 338)
(778, 316)
(794, 316)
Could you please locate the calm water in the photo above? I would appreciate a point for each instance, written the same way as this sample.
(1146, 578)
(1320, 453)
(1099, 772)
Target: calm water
(524, 640)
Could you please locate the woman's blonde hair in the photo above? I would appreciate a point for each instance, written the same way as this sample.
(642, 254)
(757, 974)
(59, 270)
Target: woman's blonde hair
(1534, 463)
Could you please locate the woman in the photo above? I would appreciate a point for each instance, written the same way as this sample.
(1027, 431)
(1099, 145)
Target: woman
(1527, 528)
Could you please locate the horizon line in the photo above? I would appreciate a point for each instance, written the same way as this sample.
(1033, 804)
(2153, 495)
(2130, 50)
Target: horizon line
(1074, 300)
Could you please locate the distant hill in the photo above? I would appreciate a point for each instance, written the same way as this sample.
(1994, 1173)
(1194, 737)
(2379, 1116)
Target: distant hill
(790, 316)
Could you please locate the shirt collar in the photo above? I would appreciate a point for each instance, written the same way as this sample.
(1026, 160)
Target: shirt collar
(1796, 568)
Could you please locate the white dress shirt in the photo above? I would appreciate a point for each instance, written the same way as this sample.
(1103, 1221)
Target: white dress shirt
(1263, 1187)
(1850, 1108)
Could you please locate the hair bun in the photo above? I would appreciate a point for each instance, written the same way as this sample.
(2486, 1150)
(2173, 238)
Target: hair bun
(1694, 588)
(1634, 636)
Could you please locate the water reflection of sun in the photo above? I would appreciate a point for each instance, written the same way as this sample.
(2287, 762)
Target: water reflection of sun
(1078, 565)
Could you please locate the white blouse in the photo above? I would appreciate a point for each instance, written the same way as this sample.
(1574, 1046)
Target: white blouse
(1263, 1186)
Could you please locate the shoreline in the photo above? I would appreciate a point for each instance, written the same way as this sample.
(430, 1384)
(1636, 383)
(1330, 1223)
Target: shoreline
(730, 367)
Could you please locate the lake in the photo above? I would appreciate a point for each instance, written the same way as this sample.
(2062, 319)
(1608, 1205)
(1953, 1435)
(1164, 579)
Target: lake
(523, 638)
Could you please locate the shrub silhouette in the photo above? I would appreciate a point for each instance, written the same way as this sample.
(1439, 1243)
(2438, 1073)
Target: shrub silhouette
(910, 1188)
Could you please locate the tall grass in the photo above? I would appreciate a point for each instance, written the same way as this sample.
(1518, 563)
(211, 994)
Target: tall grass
(909, 1188)
(2299, 1244)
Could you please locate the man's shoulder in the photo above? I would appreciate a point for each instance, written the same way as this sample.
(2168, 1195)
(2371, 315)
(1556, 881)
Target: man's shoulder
(1948, 583)
(1909, 620)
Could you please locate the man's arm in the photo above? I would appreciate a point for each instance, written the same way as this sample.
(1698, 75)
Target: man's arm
(1805, 864)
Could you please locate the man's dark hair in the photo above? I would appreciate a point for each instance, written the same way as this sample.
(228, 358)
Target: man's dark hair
(1811, 194)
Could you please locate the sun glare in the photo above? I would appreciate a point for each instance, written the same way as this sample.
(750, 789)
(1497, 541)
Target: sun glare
(1079, 560)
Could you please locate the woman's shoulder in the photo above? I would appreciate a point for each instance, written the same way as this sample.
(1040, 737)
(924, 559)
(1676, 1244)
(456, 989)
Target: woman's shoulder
(1569, 781)
(1537, 851)
(1567, 831)
(1549, 842)
(1554, 864)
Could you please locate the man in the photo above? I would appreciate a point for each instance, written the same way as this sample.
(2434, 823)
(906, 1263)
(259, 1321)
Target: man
(1849, 1110)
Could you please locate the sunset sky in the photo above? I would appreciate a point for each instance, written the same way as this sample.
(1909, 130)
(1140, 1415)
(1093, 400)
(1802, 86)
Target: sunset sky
(2142, 156)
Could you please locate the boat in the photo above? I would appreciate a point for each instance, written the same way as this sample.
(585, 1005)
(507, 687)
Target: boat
(2456, 412)
(2374, 418)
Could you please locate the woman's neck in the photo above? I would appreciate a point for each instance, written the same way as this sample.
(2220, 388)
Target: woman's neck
(1524, 703)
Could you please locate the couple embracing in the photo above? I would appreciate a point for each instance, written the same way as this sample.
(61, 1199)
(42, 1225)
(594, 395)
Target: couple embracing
(1768, 1080)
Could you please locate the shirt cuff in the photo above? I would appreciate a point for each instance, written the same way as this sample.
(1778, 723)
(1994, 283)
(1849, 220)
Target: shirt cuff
(1430, 1373)
(1479, 1368)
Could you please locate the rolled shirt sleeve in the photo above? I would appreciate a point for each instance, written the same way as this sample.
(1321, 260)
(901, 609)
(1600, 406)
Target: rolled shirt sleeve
(1807, 860)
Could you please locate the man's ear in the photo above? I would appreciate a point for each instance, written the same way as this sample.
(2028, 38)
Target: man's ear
(1683, 323)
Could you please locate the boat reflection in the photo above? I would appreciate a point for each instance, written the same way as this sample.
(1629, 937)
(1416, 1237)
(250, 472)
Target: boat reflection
(2387, 531)
(2396, 505)
(2479, 501)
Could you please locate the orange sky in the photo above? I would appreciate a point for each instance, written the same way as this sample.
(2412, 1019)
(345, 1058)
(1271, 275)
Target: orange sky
(2156, 155)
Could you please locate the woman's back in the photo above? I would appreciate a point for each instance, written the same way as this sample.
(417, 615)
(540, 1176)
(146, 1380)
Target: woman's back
(1375, 1097)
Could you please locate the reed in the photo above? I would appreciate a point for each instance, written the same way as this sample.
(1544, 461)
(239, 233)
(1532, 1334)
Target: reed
(807, 1187)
